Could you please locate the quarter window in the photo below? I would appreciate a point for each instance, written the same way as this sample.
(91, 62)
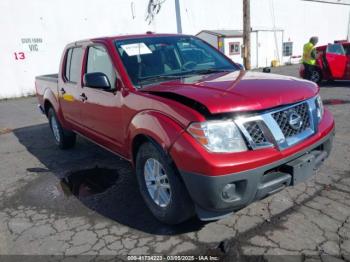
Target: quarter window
(99, 61)
(347, 49)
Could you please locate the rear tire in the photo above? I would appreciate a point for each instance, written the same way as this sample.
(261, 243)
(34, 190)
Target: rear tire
(173, 204)
(64, 139)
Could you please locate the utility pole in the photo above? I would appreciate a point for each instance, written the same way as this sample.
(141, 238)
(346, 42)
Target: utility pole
(348, 36)
(178, 16)
(246, 34)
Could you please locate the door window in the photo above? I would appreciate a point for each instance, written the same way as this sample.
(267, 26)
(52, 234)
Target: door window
(99, 61)
(68, 60)
(335, 49)
(73, 64)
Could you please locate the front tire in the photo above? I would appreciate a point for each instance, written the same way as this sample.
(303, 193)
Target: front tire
(161, 187)
(315, 76)
(64, 139)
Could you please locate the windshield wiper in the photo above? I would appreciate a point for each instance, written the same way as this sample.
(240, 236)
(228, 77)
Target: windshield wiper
(207, 71)
(158, 77)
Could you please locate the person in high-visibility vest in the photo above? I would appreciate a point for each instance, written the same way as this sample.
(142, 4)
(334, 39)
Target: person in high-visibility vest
(309, 57)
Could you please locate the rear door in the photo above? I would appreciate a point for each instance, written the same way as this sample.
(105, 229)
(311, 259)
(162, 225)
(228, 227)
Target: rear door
(69, 88)
(337, 60)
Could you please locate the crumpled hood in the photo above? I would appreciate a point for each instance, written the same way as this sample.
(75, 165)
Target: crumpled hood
(238, 91)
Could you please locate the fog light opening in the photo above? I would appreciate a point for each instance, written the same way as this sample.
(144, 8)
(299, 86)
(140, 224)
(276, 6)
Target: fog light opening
(229, 192)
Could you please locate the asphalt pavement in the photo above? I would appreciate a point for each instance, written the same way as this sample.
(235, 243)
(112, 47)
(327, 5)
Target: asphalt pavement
(85, 201)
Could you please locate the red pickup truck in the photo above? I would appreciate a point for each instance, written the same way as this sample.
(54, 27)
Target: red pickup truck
(204, 136)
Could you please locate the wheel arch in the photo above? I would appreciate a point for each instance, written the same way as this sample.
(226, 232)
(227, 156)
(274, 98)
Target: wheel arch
(153, 127)
(51, 101)
(47, 106)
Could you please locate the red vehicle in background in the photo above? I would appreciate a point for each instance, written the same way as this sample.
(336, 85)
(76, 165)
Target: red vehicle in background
(332, 63)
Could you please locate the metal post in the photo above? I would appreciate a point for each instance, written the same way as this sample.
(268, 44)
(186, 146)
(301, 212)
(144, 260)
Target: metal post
(246, 34)
(178, 17)
(349, 28)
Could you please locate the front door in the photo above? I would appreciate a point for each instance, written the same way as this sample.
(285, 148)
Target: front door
(101, 111)
(337, 60)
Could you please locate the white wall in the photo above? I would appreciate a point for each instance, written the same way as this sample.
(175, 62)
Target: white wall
(266, 48)
(302, 19)
(56, 23)
(200, 15)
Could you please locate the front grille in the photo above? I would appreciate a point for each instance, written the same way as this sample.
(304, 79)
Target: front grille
(255, 132)
(282, 119)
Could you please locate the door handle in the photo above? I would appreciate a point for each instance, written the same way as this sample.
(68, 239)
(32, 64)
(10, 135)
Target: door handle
(83, 97)
(62, 91)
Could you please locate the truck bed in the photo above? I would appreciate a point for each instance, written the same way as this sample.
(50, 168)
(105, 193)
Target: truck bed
(50, 78)
(46, 85)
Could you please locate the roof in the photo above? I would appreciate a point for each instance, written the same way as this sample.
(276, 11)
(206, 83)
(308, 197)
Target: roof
(343, 42)
(224, 33)
(126, 36)
(135, 36)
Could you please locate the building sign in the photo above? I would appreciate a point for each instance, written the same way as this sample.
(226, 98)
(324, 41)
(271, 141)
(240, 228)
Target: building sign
(32, 44)
(28, 45)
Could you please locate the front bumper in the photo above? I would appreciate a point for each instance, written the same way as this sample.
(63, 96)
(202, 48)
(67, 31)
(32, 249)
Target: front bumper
(253, 184)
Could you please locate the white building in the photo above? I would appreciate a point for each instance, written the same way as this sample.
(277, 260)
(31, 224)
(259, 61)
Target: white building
(266, 45)
(35, 32)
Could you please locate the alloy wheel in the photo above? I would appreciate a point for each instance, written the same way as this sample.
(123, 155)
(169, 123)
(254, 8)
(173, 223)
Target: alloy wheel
(157, 182)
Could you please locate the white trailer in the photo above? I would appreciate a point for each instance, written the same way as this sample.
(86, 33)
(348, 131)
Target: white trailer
(266, 45)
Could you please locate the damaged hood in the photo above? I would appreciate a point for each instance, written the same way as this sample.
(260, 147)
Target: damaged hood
(236, 91)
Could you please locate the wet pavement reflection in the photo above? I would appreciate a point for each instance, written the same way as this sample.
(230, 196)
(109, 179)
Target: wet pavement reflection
(334, 102)
(89, 182)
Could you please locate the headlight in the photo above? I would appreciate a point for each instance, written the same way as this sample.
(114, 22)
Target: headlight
(218, 136)
(319, 107)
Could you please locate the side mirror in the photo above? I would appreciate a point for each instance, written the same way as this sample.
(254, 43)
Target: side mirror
(96, 80)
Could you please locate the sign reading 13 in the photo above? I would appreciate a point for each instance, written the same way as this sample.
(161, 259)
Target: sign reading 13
(19, 55)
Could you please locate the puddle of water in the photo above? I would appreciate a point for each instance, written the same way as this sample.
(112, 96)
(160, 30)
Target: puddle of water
(335, 102)
(89, 182)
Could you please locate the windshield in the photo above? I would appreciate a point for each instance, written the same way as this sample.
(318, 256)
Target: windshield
(153, 59)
